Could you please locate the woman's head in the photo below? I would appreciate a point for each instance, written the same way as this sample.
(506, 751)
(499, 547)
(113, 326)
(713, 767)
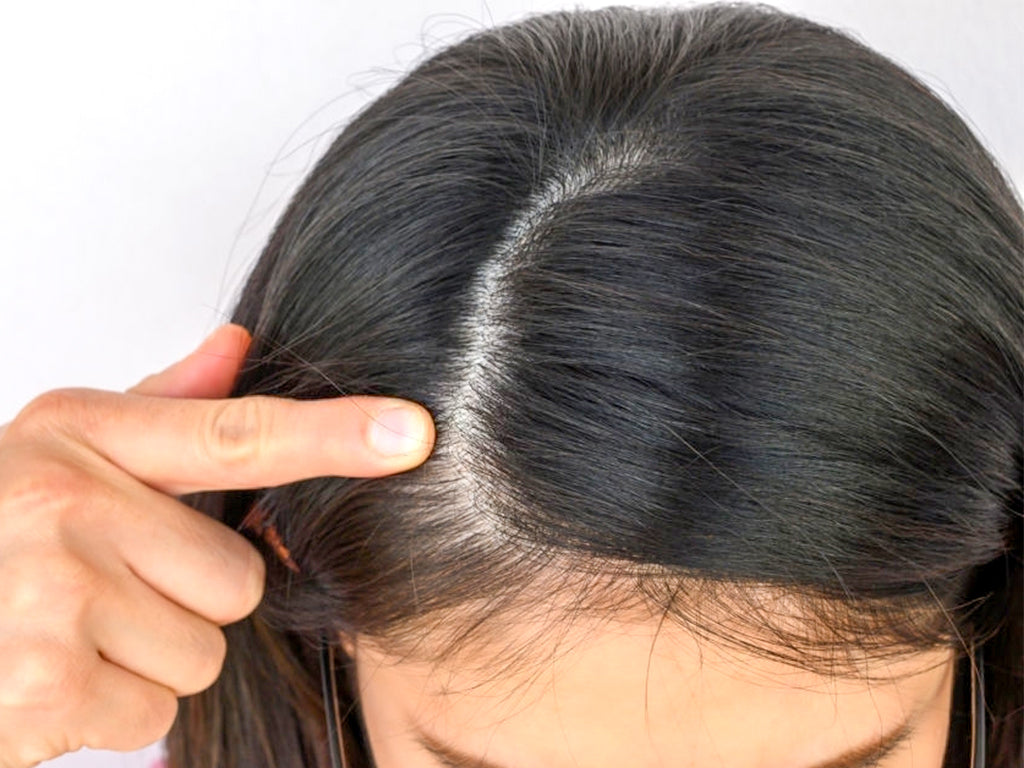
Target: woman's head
(718, 315)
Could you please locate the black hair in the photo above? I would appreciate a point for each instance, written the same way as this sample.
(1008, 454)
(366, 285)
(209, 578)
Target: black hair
(710, 305)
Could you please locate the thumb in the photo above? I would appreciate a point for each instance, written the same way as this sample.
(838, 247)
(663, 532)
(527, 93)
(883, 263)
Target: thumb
(208, 372)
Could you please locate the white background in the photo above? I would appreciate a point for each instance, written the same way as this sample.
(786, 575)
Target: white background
(146, 150)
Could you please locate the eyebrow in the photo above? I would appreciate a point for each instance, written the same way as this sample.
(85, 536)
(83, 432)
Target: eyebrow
(864, 756)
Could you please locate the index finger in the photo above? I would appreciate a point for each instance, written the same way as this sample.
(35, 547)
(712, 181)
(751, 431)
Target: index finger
(182, 445)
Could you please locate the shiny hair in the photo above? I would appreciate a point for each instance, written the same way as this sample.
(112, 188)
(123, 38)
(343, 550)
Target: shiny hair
(711, 306)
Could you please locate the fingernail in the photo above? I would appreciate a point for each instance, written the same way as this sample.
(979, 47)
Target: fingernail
(397, 431)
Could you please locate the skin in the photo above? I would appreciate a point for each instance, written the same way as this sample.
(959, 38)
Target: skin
(629, 693)
(112, 592)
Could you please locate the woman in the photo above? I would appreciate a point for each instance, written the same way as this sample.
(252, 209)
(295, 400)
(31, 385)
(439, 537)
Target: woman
(718, 316)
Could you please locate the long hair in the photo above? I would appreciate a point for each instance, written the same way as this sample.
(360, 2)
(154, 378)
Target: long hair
(708, 305)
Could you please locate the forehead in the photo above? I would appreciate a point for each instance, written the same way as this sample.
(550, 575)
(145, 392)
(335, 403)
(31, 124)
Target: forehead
(644, 694)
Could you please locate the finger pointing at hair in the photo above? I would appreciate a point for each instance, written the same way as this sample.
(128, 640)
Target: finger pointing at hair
(112, 592)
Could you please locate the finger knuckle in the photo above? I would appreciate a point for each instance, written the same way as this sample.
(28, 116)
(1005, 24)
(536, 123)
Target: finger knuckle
(161, 708)
(213, 650)
(243, 590)
(46, 582)
(39, 674)
(34, 489)
(50, 410)
(32, 753)
(151, 717)
(237, 431)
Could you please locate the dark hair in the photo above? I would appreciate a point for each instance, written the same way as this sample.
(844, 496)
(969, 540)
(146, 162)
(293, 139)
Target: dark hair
(709, 305)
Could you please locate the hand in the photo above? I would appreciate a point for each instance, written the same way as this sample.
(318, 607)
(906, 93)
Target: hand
(113, 592)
